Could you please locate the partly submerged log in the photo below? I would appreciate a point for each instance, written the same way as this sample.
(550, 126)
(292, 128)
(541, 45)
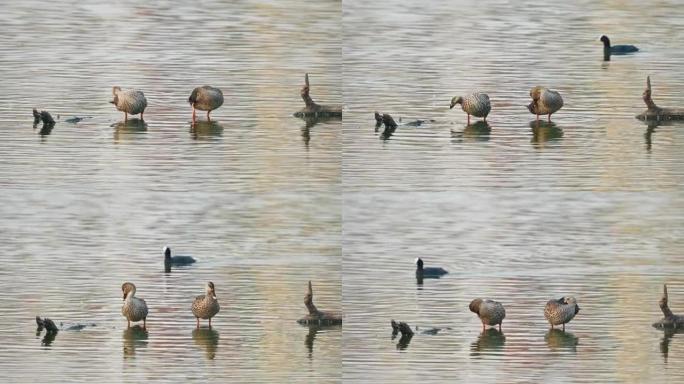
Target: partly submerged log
(311, 108)
(670, 321)
(316, 317)
(654, 112)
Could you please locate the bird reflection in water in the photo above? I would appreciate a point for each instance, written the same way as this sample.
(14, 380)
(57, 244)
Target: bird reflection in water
(133, 338)
(207, 339)
(128, 129)
(206, 130)
(477, 131)
(544, 131)
(489, 340)
(558, 339)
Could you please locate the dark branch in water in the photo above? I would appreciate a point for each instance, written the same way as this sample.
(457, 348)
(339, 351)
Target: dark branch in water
(402, 328)
(312, 109)
(670, 320)
(48, 121)
(316, 317)
(654, 112)
(46, 323)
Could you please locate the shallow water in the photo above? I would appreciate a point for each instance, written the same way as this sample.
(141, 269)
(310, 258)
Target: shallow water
(254, 195)
(590, 206)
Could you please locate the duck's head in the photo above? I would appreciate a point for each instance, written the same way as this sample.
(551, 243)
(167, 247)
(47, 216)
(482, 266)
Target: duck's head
(570, 300)
(211, 290)
(167, 253)
(456, 100)
(604, 39)
(115, 92)
(535, 92)
(532, 107)
(127, 288)
(419, 263)
(475, 305)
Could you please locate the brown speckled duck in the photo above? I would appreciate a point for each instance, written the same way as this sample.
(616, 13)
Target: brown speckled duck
(476, 104)
(206, 306)
(561, 311)
(129, 102)
(134, 309)
(490, 312)
(544, 102)
(205, 98)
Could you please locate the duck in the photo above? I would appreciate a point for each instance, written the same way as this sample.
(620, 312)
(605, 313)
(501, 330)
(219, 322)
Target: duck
(176, 260)
(206, 306)
(130, 101)
(205, 98)
(615, 49)
(476, 104)
(544, 102)
(134, 309)
(428, 272)
(561, 311)
(490, 312)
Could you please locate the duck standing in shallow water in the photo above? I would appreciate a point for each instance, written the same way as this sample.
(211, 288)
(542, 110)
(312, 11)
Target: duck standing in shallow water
(561, 311)
(490, 312)
(615, 49)
(134, 309)
(129, 102)
(205, 98)
(206, 306)
(544, 102)
(476, 104)
(428, 272)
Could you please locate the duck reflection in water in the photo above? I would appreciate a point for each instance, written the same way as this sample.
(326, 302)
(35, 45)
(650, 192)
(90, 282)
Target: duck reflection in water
(129, 129)
(478, 131)
(206, 130)
(207, 339)
(491, 339)
(558, 339)
(543, 131)
(133, 338)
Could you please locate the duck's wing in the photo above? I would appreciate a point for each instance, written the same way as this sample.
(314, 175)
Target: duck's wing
(552, 100)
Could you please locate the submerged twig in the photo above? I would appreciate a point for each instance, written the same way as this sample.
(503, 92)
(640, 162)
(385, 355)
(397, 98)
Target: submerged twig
(670, 320)
(654, 112)
(315, 316)
(312, 109)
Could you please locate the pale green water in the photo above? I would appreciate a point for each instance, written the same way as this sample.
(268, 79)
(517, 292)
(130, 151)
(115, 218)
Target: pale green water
(592, 207)
(254, 197)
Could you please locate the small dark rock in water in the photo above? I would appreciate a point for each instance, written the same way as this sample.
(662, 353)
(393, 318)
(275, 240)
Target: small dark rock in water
(46, 323)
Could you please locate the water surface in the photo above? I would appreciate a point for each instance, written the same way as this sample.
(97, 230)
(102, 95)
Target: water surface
(589, 206)
(254, 195)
